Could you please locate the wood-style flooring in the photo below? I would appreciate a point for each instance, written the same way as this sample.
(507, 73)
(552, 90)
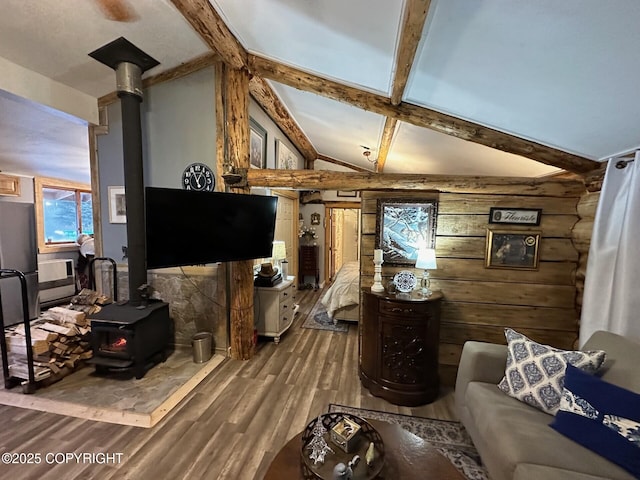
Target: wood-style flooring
(230, 427)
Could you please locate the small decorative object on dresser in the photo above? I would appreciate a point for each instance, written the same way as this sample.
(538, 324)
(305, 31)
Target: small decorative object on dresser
(377, 276)
(405, 281)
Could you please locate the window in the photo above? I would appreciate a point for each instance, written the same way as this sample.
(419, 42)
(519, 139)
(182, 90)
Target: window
(63, 210)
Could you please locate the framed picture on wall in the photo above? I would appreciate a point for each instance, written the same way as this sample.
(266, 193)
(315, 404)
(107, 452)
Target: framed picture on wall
(512, 249)
(403, 228)
(258, 145)
(117, 205)
(285, 158)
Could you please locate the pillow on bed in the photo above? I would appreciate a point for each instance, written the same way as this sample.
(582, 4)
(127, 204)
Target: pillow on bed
(535, 372)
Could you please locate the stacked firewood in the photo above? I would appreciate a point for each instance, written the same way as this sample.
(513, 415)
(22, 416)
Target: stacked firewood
(60, 340)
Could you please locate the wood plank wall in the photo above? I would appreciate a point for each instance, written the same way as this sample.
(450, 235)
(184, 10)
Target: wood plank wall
(480, 302)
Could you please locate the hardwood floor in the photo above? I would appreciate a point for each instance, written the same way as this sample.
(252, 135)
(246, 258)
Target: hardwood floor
(230, 427)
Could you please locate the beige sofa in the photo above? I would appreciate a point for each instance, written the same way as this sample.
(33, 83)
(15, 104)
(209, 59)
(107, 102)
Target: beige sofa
(515, 440)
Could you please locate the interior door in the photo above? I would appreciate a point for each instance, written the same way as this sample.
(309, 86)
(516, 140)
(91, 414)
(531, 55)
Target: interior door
(287, 226)
(343, 238)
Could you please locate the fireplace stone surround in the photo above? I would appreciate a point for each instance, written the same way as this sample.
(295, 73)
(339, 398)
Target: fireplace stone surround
(190, 295)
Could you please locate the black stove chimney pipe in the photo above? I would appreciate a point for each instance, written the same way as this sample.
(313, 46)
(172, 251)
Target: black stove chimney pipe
(130, 62)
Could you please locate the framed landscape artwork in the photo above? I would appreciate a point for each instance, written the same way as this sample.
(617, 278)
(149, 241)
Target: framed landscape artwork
(286, 160)
(258, 145)
(404, 227)
(512, 249)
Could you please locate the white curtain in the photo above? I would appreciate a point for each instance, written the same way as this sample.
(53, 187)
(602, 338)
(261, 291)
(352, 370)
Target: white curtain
(612, 285)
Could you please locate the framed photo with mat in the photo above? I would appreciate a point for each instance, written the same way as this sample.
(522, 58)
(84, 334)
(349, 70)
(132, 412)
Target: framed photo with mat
(512, 249)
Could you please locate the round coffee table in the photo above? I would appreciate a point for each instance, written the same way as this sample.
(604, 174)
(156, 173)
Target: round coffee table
(407, 456)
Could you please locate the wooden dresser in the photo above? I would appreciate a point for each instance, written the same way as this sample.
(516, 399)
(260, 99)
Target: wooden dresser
(274, 308)
(308, 263)
(399, 336)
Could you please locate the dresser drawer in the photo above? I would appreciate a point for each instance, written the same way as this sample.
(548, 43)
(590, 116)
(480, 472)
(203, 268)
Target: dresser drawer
(409, 309)
(286, 295)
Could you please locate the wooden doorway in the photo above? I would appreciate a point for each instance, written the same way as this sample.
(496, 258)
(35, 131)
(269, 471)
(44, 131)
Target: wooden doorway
(342, 236)
(287, 225)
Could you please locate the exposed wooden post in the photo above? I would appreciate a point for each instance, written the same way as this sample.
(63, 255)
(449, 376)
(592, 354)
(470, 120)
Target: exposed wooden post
(236, 124)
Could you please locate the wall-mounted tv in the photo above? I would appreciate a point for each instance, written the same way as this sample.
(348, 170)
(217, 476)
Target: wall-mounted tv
(184, 227)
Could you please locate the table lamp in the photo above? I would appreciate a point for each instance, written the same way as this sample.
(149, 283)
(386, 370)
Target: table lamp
(426, 261)
(279, 253)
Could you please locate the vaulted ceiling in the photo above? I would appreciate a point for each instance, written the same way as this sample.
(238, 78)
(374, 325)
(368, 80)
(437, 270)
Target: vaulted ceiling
(497, 87)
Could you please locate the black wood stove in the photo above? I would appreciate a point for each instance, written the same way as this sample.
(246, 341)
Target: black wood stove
(136, 335)
(131, 339)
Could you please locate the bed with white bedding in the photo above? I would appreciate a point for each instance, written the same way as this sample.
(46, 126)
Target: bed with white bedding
(342, 299)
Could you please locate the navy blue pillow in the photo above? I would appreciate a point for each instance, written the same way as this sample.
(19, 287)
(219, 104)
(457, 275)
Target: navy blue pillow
(592, 413)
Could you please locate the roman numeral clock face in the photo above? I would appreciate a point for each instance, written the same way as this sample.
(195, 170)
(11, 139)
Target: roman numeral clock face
(199, 177)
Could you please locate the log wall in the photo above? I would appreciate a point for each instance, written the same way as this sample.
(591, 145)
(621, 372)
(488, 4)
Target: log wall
(480, 302)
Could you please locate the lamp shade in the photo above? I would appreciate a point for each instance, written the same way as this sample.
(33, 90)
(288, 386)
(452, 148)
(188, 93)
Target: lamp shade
(426, 259)
(279, 250)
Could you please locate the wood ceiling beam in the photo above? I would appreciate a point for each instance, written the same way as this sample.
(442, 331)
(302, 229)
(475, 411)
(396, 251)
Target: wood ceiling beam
(410, 32)
(182, 70)
(341, 163)
(388, 132)
(331, 180)
(207, 23)
(419, 116)
(262, 92)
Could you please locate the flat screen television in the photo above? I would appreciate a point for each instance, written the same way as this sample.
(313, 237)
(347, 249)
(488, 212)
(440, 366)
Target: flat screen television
(185, 227)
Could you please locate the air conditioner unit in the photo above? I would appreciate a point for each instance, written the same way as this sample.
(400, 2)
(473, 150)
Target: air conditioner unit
(56, 280)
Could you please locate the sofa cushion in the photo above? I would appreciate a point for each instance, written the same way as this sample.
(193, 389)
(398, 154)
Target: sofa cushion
(603, 417)
(534, 373)
(507, 433)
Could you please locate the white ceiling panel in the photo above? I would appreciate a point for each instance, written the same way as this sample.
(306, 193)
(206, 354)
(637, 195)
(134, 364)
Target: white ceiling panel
(335, 129)
(423, 151)
(54, 38)
(559, 73)
(38, 141)
(354, 40)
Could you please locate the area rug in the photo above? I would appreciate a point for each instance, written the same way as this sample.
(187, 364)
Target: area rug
(319, 319)
(449, 438)
(136, 402)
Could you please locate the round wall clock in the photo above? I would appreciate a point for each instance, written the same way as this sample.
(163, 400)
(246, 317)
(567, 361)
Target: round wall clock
(198, 177)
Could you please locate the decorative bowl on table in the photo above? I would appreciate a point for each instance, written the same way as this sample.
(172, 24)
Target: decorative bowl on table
(358, 445)
(405, 281)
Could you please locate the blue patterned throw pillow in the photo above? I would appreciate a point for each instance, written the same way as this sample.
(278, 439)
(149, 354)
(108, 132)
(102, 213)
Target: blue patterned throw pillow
(602, 417)
(535, 373)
